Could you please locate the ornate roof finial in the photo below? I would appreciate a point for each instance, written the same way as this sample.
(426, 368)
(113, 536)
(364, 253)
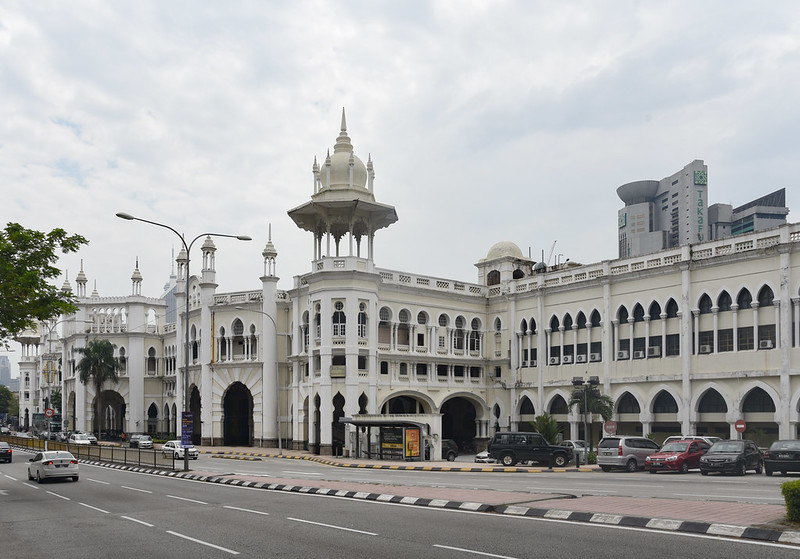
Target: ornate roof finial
(343, 141)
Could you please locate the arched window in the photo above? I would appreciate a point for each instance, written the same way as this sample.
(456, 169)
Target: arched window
(581, 321)
(622, 315)
(238, 328)
(444, 320)
(151, 361)
(655, 310)
(638, 313)
(672, 309)
(532, 326)
(498, 325)
(526, 407)
(523, 327)
(765, 297)
(554, 324)
(758, 401)
(705, 304)
(665, 403)
(559, 406)
(744, 300)
(567, 322)
(493, 277)
(595, 321)
(362, 322)
(339, 320)
(628, 404)
(422, 317)
(475, 335)
(724, 302)
(712, 402)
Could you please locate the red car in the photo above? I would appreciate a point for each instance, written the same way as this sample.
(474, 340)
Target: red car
(680, 456)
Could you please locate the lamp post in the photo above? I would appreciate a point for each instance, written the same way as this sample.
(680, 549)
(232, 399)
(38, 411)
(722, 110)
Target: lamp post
(188, 249)
(581, 390)
(277, 383)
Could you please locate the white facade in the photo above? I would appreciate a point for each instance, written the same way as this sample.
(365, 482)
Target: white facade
(684, 340)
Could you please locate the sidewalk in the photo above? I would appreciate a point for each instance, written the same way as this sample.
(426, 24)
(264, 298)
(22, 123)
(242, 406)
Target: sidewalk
(739, 520)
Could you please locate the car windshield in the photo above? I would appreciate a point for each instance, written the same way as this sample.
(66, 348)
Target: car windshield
(144, 438)
(726, 447)
(80, 437)
(785, 445)
(675, 447)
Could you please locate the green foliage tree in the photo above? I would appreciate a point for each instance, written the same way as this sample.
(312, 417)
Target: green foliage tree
(26, 266)
(6, 397)
(547, 426)
(98, 365)
(598, 404)
(55, 400)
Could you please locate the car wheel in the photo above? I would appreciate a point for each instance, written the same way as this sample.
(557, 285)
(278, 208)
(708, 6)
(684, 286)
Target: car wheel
(742, 469)
(605, 468)
(559, 460)
(30, 477)
(703, 473)
(38, 478)
(685, 468)
(758, 468)
(74, 478)
(652, 471)
(631, 466)
(508, 460)
(783, 472)
(768, 472)
(451, 456)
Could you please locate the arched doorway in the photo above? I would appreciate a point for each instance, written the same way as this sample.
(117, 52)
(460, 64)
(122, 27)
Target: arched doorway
(112, 417)
(458, 422)
(152, 419)
(237, 404)
(194, 407)
(337, 427)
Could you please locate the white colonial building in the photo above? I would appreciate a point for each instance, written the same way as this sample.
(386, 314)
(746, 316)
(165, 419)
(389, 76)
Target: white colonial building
(685, 340)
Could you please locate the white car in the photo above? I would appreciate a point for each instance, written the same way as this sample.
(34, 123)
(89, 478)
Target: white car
(52, 464)
(176, 449)
(484, 458)
(579, 448)
(78, 438)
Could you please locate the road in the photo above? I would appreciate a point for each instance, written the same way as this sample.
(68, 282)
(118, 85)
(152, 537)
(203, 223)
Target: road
(758, 489)
(113, 513)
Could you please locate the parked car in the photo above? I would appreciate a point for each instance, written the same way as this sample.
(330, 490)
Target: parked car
(5, 451)
(675, 438)
(510, 447)
(176, 449)
(484, 458)
(624, 452)
(52, 464)
(133, 441)
(677, 456)
(731, 456)
(145, 441)
(579, 449)
(78, 438)
(782, 456)
(449, 450)
(92, 438)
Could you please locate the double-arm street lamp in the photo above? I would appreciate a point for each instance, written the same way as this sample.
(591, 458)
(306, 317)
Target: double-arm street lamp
(277, 383)
(188, 249)
(581, 390)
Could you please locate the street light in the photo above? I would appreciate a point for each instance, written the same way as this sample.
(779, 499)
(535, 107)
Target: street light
(582, 391)
(188, 249)
(277, 383)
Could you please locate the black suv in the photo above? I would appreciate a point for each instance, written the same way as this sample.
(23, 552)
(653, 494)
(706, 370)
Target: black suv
(732, 456)
(510, 447)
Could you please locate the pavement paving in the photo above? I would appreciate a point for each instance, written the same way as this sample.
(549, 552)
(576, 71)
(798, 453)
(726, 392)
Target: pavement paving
(727, 519)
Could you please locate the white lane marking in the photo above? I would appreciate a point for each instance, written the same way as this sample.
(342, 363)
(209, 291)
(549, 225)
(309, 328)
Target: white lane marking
(59, 496)
(29, 485)
(185, 499)
(474, 551)
(301, 473)
(718, 497)
(332, 526)
(9, 477)
(97, 481)
(137, 521)
(94, 508)
(201, 542)
(246, 510)
(135, 489)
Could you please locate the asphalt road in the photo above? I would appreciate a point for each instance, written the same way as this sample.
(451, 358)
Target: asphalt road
(113, 513)
(752, 488)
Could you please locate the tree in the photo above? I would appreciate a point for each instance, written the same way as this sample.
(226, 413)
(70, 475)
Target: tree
(6, 396)
(98, 365)
(547, 426)
(55, 400)
(598, 404)
(26, 266)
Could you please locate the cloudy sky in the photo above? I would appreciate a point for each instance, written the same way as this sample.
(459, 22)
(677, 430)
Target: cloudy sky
(486, 121)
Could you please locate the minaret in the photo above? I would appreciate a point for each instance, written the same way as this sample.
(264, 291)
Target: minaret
(81, 282)
(66, 287)
(269, 329)
(136, 280)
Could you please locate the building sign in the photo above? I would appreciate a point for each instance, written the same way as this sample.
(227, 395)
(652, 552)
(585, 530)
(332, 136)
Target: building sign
(392, 438)
(700, 216)
(622, 220)
(187, 428)
(412, 442)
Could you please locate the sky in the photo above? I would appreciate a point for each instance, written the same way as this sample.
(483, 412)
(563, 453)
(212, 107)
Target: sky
(486, 121)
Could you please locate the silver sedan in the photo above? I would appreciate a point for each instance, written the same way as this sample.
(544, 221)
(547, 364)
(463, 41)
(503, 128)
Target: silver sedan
(52, 464)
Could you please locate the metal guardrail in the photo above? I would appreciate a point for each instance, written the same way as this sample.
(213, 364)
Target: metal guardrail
(101, 452)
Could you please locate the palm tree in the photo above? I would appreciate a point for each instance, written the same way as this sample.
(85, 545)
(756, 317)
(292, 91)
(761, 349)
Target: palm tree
(99, 365)
(598, 404)
(547, 426)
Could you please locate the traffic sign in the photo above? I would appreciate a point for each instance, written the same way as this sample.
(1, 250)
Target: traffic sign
(610, 427)
(49, 412)
(740, 426)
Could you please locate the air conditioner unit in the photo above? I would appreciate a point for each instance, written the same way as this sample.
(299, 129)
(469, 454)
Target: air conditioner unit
(765, 344)
(524, 363)
(533, 363)
(654, 351)
(567, 359)
(594, 357)
(554, 361)
(638, 355)
(622, 355)
(705, 349)
(580, 358)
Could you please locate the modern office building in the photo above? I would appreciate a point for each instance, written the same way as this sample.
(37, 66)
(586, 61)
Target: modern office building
(5, 370)
(685, 339)
(675, 211)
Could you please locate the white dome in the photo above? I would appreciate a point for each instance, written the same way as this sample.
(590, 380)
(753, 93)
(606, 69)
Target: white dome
(503, 249)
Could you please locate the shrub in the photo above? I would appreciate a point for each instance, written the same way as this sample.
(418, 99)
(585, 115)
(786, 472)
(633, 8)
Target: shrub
(791, 494)
(592, 457)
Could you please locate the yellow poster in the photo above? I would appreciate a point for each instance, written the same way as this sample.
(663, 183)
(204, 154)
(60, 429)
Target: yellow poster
(412, 443)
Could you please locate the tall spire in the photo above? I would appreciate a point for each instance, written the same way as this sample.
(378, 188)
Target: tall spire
(343, 141)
